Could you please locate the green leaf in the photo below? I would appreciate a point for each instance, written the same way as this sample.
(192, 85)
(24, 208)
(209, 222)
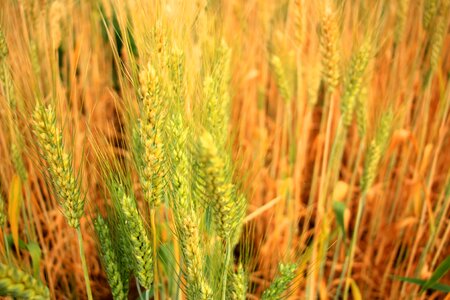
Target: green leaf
(35, 253)
(421, 282)
(14, 202)
(339, 211)
(440, 271)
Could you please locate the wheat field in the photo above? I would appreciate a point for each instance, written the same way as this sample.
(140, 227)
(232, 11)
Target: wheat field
(225, 149)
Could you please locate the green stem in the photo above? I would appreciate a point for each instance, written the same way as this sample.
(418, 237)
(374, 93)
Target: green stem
(84, 264)
(361, 205)
(225, 269)
(155, 260)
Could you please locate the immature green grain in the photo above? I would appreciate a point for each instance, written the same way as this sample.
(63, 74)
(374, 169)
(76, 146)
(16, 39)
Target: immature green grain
(59, 163)
(237, 286)
(109, 259)
(153, 170)
(329, 48)
(353, 80)
(281, 283)
(18, 284)
(281, 79)
(140, 242)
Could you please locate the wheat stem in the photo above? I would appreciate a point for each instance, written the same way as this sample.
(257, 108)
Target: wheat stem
(84, 264)
(155, 260)
(225, 268)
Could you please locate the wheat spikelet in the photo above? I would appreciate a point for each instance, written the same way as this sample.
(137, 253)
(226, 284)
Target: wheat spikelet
(7, 82)
(384, 130)
(438, 35)
(109, 259)
(18, 162)
(140, 242)
(197, 287)
(329, 48)
(34, 55)
(376, 148)
(299, 22)
(237, 287)
(370, 165)
(3, 45)
(51, 146)
(353, 81)
(16, 283)
(2, 211)
(281, 78)
(402, 15)
(281, 283)
(153, 170)
(217, 185)
(361, 112)
(429, 11)
(217, 96)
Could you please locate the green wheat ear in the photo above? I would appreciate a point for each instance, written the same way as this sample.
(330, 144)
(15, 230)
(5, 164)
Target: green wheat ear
(59, 163)
(109, 259)
(139, 240)
(237, 287)
(429, 11)
(3, 45)
(281, 283)
(16, 283)
(281, 79)
(353, 80)
(329, 38)
(153, 168)
(197, 286)
(215, 181)
(377, 146)
(2, 212)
